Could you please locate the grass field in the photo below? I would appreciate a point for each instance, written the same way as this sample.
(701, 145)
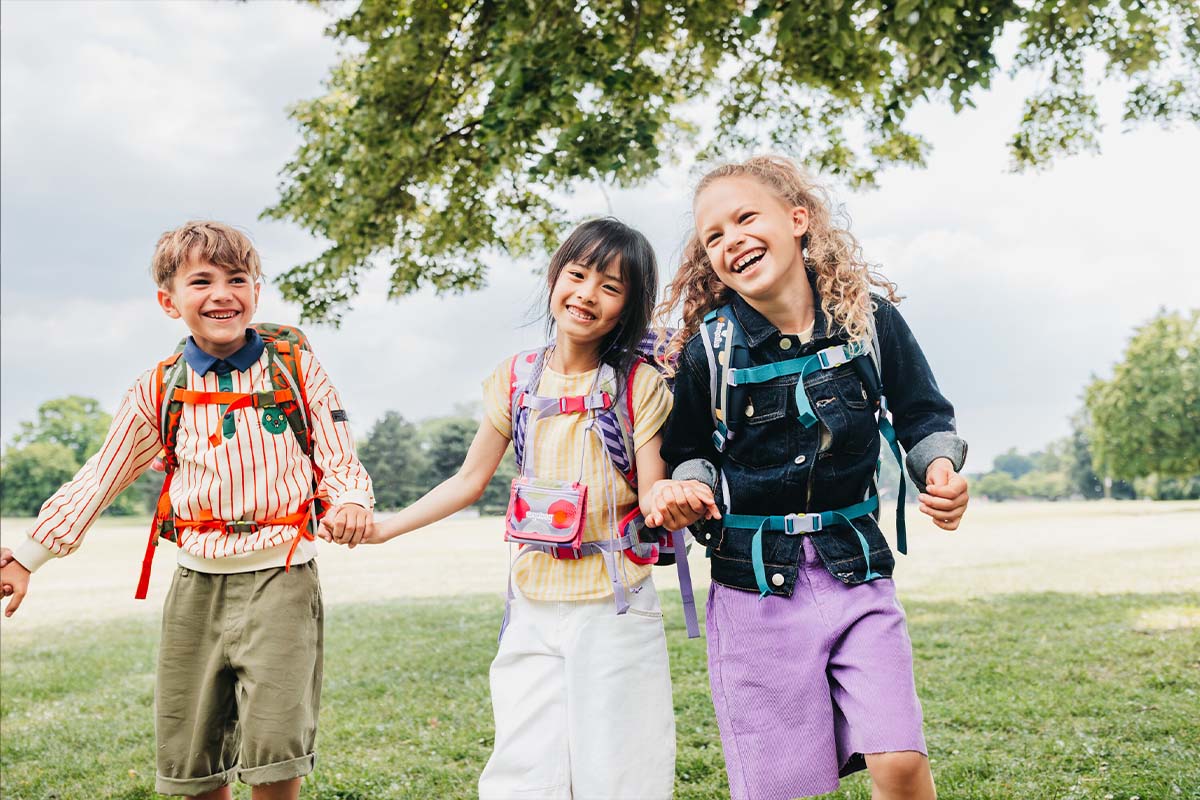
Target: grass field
(1027, 694)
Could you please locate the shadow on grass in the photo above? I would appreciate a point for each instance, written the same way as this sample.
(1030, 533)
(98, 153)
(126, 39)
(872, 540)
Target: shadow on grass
(1030, 696)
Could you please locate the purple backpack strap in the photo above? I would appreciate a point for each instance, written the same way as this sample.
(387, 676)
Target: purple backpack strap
(525, 374)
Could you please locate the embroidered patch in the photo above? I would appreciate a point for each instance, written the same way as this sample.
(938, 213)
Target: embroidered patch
(274, 420)
(338, 415)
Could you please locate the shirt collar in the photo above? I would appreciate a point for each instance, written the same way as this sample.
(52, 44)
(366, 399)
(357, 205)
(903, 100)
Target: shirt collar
(243, 359)
(758, 329)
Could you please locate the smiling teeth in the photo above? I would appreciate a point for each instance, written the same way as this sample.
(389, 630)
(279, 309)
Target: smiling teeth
(748, 258)
(221, 314)
(578, 314)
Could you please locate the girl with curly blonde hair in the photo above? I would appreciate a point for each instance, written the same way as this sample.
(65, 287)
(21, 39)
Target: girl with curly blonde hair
(780, 368)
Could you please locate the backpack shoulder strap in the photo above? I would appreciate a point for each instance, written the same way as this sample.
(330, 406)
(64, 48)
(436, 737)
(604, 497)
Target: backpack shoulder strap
(724, 346)
(524, 375)
(283, 363)
(616, 421)
(170, 374)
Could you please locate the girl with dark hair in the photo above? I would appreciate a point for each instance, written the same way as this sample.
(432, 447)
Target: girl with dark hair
(581, 687)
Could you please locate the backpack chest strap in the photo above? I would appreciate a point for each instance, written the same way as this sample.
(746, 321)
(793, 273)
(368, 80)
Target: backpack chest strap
(574, 404)
(240, 399)
(232, 401)
(828, 358)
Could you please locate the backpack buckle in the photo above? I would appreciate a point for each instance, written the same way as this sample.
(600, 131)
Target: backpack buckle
(719, 439)
(239, 526)
(572, 405)
(794, 524)
(832, 357)
(566, 553)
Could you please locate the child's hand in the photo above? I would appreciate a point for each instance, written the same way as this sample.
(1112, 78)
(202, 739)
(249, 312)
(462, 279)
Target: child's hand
(945, 497)
(15, 579)
(677, 504)
(347, 524)
(5, 557)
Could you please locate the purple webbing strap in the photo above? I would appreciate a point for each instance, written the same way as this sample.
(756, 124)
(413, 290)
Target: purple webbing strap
(608, 548)
(685, 585)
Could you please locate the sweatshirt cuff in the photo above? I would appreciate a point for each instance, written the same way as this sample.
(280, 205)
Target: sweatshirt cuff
(31, 554)
(356, 496)
(697, 469)
(943, 444)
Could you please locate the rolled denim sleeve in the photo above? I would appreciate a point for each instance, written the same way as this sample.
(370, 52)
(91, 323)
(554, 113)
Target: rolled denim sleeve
(922, 416)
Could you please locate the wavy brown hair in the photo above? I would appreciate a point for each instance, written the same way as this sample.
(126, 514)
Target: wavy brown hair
(844, 277)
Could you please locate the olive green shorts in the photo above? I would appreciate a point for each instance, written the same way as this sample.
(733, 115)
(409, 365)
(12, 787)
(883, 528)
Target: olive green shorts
(239, 678)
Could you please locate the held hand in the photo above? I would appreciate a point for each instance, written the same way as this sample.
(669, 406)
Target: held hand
(15, 579)
(347, 524)
(677, 504)
(945, 497)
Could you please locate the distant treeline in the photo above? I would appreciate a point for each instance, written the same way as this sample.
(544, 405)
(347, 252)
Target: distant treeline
(1135, 435)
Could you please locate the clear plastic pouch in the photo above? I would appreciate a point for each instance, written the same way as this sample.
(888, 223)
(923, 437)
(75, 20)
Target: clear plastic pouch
(543, 511)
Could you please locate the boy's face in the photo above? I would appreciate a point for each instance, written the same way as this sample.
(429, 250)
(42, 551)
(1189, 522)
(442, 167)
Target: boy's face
(217, 306)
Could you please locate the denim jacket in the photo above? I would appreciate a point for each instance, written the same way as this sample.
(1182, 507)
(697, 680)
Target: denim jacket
(775, 466)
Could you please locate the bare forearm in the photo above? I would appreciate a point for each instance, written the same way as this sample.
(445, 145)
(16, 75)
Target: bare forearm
(451, 495)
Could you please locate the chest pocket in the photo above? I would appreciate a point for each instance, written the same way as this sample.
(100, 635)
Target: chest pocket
(764, 427)
(841, 403)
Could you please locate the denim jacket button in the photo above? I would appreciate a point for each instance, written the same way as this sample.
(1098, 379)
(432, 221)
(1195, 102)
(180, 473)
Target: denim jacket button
(785, 343)
(801, 459)
(777, 579)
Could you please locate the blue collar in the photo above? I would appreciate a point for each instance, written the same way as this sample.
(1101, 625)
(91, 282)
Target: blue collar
(243, 359)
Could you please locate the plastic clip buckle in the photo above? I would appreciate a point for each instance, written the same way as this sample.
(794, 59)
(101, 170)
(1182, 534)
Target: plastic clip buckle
(572, 405)
(801, 523)
(840, 356)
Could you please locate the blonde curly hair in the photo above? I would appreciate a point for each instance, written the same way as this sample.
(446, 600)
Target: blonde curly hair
(844, 277)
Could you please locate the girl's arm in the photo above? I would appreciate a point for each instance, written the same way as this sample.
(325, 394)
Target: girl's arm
(668, 503)
(453, 494)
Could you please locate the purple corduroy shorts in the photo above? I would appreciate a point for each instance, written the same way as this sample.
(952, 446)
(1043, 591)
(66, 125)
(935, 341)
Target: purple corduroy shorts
(804, 685)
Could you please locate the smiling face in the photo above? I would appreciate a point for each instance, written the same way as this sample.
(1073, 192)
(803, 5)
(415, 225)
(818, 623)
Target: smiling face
(586, 302)
(217, 305)
(751, 237)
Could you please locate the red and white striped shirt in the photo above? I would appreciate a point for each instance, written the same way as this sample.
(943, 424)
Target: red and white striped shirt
(255, 475)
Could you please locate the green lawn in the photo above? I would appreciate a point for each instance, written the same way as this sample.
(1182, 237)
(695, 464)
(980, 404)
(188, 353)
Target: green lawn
(1035, 696)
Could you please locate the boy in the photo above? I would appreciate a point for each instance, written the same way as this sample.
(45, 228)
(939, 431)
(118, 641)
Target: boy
(239, 666)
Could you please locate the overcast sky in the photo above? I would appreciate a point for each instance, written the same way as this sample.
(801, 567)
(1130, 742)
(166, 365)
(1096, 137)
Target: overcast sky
(119, 121)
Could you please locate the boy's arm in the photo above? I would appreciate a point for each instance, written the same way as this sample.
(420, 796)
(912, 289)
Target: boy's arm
(456, 492)
(343, 477)
(128, 449)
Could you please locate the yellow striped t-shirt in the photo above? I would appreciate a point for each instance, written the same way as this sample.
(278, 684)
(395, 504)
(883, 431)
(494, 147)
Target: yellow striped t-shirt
(558, 444)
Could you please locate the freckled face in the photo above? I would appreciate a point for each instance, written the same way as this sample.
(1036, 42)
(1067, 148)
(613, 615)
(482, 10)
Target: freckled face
(217, 306)
(586, 302)
(751, 236)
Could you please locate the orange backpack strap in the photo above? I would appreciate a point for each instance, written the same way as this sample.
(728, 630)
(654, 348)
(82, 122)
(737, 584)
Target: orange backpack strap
(286, 373)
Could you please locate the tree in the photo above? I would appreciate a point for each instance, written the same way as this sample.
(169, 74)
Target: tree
(444, 123)
(996, 486)
(1078, 459)
(31, 474)
(1146, 419)
(392, 456)
(446, 441)
(1013, 463)
(495, 496)
(75, 422)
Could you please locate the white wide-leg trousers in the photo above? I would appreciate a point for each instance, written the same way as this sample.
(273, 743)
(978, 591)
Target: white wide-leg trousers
(582, 702)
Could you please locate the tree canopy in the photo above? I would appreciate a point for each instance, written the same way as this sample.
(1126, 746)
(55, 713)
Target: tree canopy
(1146, 419)
(446, 127)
